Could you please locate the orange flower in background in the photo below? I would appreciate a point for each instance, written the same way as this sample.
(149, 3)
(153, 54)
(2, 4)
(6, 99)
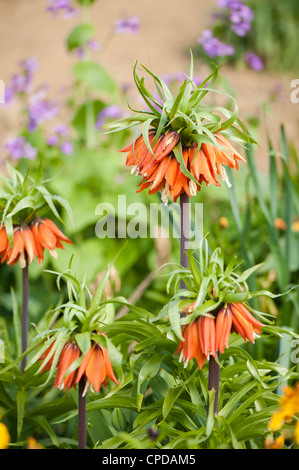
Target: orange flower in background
(207, 335)
(30, 241)
(289, 408)
(287, 413)
(162, 172)
(33, 444)
(274, 443)
(280, 224)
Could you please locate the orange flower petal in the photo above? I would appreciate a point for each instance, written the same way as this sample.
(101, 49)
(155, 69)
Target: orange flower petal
(46, 237)
(108, 365)
(18, 246)
(57, 232)
(3, 239)
(96, 369)
(39, 248)
(29, 243)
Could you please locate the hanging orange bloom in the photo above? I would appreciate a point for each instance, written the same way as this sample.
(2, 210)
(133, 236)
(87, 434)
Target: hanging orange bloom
(207, 335)
(190, 346)
(30, 241)
(223, 329)
(70, 353)
(161, 171)
(244, 323)
(96, 367)
(47, 358)
(47, 235)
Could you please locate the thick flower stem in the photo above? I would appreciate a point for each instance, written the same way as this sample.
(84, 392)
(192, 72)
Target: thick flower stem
(185, 232)
(214, 378)
(82, 415)
(24, 320)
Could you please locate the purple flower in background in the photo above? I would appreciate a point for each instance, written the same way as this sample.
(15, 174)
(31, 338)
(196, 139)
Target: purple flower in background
(109, 112)
(254, 61)
(30, 65)
(67, 148)
(240, 16)
(40, 110)
(20, 148)
(61, 129)
(60, 132)
(21, 83)
(213, 47)
(55, 6)
(128, 26)
(53, 140)
(233, 4)
(241, 20)
(92, 45)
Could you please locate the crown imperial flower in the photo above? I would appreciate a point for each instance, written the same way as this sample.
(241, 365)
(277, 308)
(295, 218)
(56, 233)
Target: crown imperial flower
(182, 143)
(95, 367)
(207, 335)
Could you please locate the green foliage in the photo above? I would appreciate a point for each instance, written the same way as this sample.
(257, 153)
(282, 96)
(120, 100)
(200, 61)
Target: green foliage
(159, 403)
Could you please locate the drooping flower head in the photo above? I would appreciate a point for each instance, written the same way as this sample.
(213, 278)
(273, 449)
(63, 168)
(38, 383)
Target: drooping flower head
(93, 366)
(182, 143)
(24, 235)
(77, 349)
(209, 334)
(213, 307)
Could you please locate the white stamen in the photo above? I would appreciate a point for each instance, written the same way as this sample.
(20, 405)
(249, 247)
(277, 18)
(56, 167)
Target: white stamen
(193, 188)
(86, 388)
(53, 253)
(165, 194)
(22, 260)
(135, 170)
(186, 363)
(223, 174)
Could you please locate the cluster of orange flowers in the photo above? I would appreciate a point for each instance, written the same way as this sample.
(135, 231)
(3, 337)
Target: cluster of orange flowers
(30, 241)
(288, 413)
(95, 367)
(162, 172)
(207, 335)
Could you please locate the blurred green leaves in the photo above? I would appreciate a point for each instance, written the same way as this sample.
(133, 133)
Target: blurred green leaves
(96, 78)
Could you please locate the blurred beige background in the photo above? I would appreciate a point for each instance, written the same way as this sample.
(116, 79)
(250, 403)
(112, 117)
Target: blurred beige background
(168, 29)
